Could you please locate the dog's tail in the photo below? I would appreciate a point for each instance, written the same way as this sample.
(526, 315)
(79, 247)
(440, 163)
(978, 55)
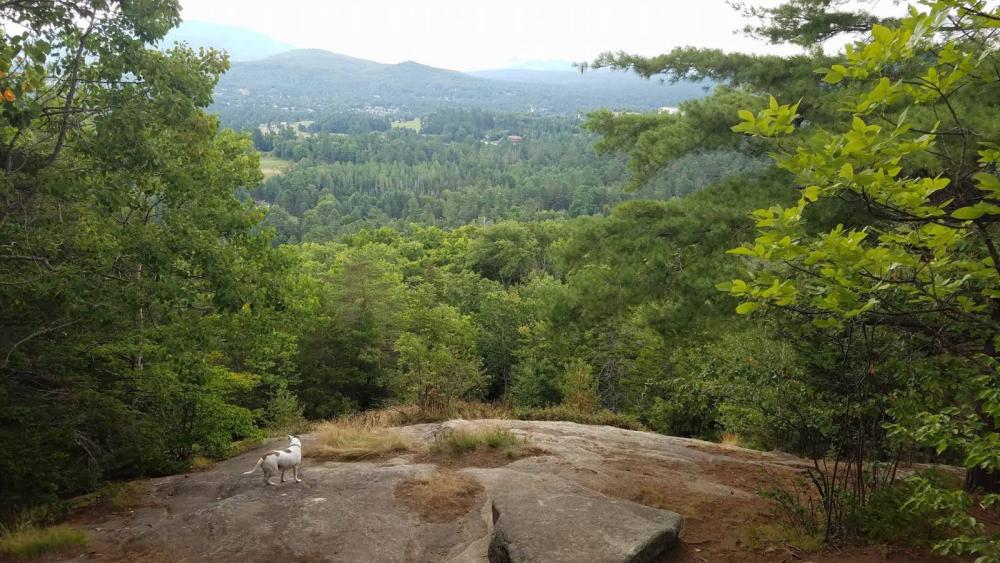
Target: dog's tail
(256, 467)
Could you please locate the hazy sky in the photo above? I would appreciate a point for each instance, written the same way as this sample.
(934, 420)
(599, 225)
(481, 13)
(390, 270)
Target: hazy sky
(479, 34)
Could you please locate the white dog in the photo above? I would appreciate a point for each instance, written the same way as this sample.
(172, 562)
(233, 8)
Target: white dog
(273, 461)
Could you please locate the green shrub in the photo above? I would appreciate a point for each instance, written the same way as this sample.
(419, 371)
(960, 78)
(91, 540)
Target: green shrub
(580, 388)
(219, 424)
(885, 517)
(283, 414)
(33, 542)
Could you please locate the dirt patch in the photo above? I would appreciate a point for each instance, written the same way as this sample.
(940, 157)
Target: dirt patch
(713, 526)
(752, 477)
(719, 528)
(443, 497)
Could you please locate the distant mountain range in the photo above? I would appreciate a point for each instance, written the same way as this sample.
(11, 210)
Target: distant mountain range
(242, 44)
(299, 84)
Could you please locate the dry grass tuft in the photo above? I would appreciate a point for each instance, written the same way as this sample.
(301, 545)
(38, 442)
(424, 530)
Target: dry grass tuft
(201, 463)
(357, 439)
(729, 439)
(33, 542)
(442, 497)
(119, 497)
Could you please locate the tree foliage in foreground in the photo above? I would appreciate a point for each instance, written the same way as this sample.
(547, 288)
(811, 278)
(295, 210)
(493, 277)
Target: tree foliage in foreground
(920, 155)
(136, 301)
(890, 250)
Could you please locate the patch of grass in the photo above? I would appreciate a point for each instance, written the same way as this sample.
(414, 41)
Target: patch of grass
(31, 542)
(442, 497)
(201, 463)
(112, 497)
(352, 441)
(460, 442)
(597, 418)
(762, 536)
(121, 496)
(245, 445)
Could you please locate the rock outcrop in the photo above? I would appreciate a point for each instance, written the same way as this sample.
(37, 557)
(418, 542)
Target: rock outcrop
(566, 504)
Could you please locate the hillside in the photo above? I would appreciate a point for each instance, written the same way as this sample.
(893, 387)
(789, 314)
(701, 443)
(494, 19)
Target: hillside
(301, 83)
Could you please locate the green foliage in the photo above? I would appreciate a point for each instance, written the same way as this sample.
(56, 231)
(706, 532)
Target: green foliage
(579, 388)
(926, 261)
(283, 413)
(889, 517)
(436, 357)
(140, 307)
(654, 140)
(462, 169)
(345, 355)
(809, 22)
(746, 383)
(889, 250)
(506, 252)
(579, 313)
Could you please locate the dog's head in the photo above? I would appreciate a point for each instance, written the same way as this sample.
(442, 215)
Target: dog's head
(294, 441)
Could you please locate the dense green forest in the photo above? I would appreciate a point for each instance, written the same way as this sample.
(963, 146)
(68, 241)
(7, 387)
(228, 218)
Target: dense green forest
(461, 168)
(805, 260)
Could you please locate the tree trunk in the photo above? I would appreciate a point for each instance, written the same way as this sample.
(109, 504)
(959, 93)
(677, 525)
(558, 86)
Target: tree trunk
(982, 479)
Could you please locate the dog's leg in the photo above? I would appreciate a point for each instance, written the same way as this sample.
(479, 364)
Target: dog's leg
(295, 473)
(282, 475)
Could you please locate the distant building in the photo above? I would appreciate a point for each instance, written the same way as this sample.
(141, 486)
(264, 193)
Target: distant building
(515, 139)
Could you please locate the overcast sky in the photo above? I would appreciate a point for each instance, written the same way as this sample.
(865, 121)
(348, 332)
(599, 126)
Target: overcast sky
(479, 34)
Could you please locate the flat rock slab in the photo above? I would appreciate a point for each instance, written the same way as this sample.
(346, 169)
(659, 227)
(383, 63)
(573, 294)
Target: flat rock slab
(341, 512)
(553, 507)
(543, 518)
